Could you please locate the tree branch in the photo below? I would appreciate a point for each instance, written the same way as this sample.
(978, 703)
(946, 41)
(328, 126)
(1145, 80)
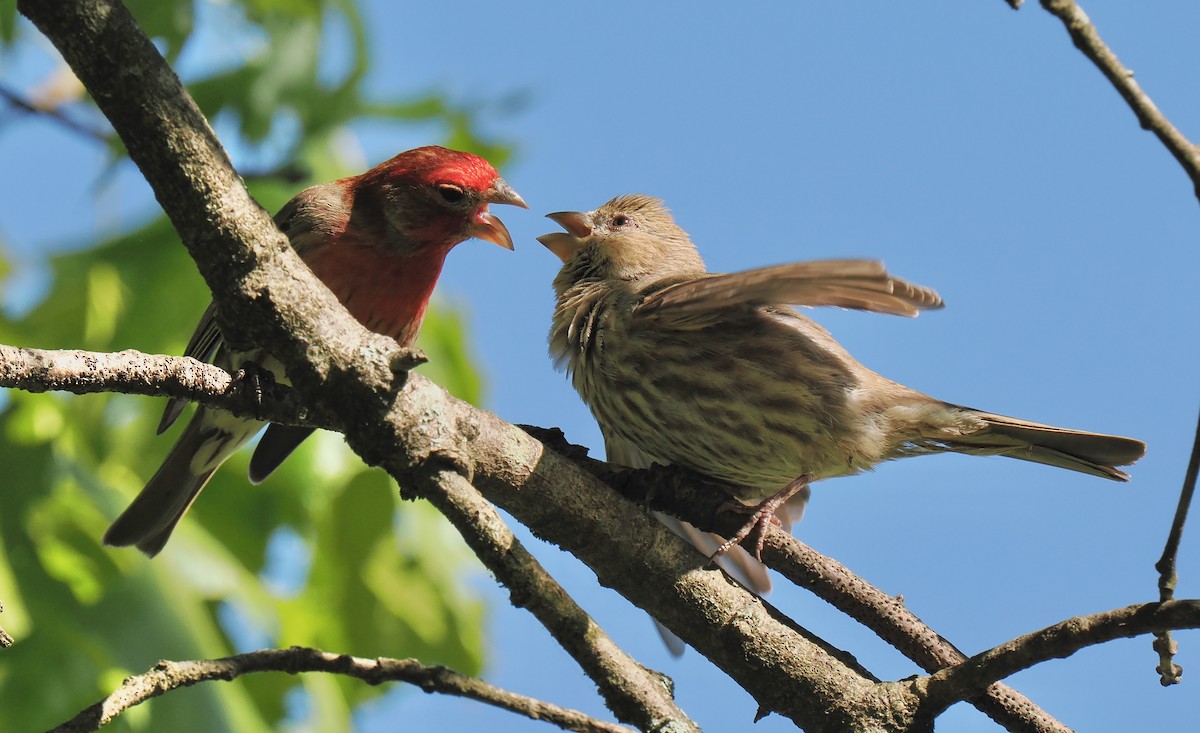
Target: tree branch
(132, 372)
(167, 676)
(19, 102)
(1169, 672)
(5, 640)
(1087, 39)
(636, 695)
(268, 299)
(1060, 641)
(155, 375)
(699, 500)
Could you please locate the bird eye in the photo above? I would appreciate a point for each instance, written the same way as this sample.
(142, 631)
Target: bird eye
(620, 220)
(451, 194)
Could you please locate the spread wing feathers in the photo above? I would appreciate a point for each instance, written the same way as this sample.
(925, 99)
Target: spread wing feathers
(206, 339)
(1077, 450)
(859, 284)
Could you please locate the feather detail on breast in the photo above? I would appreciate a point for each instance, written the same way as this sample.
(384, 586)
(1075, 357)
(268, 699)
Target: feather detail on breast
(573, 334)
(385, 292)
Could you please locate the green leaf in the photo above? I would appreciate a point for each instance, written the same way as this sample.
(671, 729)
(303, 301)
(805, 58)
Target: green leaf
(169, 22)
(443, 339)
(8, 21)
(383, 580)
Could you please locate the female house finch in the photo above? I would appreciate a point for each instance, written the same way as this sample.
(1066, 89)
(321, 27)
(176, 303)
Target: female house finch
(378, 241)
(716, 373)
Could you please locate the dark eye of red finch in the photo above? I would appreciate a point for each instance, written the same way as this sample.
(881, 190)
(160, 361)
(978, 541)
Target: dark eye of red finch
(451, 194)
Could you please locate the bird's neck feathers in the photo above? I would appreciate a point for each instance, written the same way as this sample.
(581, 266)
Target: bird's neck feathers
(631, 263)
(387, 293)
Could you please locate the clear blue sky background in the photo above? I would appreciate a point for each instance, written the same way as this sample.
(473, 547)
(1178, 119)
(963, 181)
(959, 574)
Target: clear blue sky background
(970, 147)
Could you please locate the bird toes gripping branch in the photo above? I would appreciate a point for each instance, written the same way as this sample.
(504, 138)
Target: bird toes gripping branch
(258, 383)
(762, 515)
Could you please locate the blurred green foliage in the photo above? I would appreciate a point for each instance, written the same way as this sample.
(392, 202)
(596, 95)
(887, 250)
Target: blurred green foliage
(356, 573)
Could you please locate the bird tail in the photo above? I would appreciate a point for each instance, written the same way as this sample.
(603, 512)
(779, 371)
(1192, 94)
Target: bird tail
(1096, 454)
(207, 441)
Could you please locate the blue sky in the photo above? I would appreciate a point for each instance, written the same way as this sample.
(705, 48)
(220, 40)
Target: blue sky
(970, 147)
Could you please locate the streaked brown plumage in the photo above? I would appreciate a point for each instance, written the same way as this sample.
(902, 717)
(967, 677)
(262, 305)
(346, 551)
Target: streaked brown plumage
(720, 374)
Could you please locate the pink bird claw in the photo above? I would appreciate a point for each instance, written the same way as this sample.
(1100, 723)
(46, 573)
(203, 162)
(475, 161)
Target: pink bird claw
(762, 516)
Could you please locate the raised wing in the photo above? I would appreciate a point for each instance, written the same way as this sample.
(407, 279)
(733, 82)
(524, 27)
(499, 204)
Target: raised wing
(859, 284)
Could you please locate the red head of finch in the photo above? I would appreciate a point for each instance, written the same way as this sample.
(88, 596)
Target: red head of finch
(378, 241)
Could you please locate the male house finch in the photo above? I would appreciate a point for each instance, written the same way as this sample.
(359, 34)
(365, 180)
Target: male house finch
(717, 374)
(378, 241)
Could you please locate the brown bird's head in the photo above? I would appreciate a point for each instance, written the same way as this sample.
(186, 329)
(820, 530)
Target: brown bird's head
(425, 197)
(631, 238)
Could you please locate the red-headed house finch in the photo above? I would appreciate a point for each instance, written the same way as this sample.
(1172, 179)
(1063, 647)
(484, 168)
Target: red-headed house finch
(378, 241)
(719, 374)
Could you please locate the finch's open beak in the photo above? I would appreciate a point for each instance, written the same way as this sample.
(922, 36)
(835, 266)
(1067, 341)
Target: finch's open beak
(565, 245)
(487, 226)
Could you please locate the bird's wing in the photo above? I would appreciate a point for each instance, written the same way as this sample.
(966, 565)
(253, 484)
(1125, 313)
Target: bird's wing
(859, 284)
(206, 339)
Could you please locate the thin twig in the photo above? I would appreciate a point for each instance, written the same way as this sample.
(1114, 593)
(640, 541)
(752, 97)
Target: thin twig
(1087, 39)
(19, 102)
(636, 695)
(1169, 672)
(167, 676)
(1059, 641)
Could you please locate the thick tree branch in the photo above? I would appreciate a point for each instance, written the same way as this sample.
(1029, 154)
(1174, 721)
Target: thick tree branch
(410, 427)
(636, 695)
(1087, 39)
(269, 299)
(668, 489)
(699, 501)
(1059, 641)
(167, 676)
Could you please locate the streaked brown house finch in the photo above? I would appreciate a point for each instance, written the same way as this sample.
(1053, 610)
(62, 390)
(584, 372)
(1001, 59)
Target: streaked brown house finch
(719, 374)
(378, 241)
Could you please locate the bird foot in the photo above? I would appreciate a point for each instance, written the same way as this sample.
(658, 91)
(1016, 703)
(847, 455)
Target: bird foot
(259, 383)
(762, 515)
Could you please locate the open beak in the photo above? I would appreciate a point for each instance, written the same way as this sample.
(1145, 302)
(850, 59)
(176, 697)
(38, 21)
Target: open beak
(487, 226)
(564, 245)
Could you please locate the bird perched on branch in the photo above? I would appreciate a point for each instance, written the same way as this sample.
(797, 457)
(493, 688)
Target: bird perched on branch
(378, 241)
(719, 374)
